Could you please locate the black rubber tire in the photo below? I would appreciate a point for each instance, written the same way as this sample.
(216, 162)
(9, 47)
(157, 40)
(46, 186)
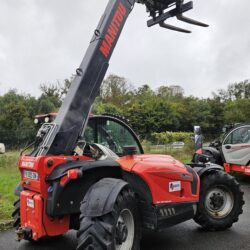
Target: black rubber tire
(229, 184)
(16, 215)
(98, 233)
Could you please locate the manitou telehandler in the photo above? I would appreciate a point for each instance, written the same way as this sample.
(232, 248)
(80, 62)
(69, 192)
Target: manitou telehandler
(69, 182)
(232, 151)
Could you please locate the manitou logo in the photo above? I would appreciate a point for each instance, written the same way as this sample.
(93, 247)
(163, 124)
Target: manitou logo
(113, 30)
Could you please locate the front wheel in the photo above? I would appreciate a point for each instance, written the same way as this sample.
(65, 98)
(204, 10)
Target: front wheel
(118, 230)
(221, 201)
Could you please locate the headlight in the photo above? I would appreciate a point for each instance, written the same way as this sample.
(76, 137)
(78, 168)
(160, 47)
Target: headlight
(46, 119)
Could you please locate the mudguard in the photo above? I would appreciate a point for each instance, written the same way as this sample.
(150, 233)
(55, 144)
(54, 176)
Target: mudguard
(204, 169)
(101, 197)
(215, 152)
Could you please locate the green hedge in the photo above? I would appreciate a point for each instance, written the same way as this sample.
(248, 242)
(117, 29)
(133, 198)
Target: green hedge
(16, 139)
(170, 137)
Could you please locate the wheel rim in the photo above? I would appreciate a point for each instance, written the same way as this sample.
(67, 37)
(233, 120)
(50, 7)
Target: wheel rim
(125, 230)
(219, 202)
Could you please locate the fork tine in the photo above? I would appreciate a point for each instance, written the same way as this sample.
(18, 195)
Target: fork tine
(191, 21)
(171, 27)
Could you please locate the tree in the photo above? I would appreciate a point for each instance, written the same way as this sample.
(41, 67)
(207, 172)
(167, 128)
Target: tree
(51, 93)
(164, 91)
(101, 108)
(237, 111)
(235, 91)
(14, 109)
(216, 118)
(66, 85)
(16, 118)
(116, 90)
(46, 105)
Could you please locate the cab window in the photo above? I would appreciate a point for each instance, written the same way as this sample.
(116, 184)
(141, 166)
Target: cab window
(112, 134)
(238, 136)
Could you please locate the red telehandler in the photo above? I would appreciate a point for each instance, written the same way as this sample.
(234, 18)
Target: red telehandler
(108, 198)
(231, 151)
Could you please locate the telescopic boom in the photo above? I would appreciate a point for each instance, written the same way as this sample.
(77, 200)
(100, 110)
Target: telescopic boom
(61, 136)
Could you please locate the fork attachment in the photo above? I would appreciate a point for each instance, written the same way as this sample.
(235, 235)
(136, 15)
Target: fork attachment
(159, 16)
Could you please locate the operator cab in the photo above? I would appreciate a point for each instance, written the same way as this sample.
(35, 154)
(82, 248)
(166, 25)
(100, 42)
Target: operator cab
(109, 136)
(106, 136)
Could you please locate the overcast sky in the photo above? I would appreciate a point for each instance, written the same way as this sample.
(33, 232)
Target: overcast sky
(44, 41)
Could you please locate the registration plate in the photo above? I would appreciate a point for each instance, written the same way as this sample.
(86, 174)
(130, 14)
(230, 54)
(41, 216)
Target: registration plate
(30, 175)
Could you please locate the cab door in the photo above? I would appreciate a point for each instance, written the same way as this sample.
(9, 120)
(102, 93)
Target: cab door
(236, 146)
(111, 132)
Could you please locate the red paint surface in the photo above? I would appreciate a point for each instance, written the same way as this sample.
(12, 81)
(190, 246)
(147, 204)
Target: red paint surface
(158, 171)
(36, 218)
(237, 168)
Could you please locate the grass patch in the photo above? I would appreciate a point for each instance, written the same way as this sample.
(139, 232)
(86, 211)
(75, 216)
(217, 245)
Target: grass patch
(9, 177)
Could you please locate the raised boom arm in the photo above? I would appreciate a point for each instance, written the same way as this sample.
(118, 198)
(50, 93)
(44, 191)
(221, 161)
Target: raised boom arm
(61, 136)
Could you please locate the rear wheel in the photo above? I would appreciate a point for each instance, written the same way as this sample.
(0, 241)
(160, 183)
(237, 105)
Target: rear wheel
(16, 214)
(221, 201)
(118, 230)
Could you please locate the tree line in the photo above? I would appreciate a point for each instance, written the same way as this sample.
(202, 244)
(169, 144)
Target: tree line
(149, 111)
(154, 111)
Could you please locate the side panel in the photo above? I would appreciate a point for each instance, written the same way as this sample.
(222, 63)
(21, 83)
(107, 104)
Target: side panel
(168, 187)
(237, 168)
(168, 180)
(33, 216)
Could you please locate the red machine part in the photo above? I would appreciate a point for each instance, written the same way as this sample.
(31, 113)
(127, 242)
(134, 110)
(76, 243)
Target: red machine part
(33, 201)
(33, 216)
(168, 180)
(237, 168)
(160, 172)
